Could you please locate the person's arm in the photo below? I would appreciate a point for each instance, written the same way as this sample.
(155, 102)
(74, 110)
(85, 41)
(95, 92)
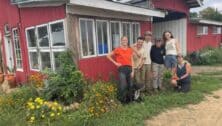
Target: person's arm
(132, 73)
(188, 71)
(178, 47)
(135, 51)
(110, 57)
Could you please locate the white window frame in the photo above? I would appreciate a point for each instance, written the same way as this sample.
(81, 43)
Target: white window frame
(120, 32)
(139, 30)
(19, 42)
(51, 49)
(130, 37)
(94, 40)
(108, 37)
(65, 32)
(218, 30)
(204, 28)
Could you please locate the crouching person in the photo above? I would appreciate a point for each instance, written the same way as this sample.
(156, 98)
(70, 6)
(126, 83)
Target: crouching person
(182, 76)
(157, 57)
(139, 56)
(123, 61)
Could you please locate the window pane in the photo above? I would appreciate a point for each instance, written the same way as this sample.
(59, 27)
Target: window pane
(102, 37)
(31, 38)
(84, 37)
(136, 31)
(115, 34)
(90, 32)
(57, 31)
(17, 49)
(43, 36)
(45, 60)
(126, 31)
(56, 57)
(87, 37)
(34, 60)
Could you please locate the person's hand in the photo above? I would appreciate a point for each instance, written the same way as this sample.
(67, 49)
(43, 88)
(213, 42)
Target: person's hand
(140, 66)
(118, 64)
(132, 74)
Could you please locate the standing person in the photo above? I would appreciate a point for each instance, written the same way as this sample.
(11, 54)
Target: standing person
(139, 56)
(172, 50)
(157, 57)
(146, 69)
(182, 75)
(123, 60)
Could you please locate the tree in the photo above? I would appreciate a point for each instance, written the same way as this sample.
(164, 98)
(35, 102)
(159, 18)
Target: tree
(211, 14)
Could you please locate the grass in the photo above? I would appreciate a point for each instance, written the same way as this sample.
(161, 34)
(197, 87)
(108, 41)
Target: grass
(133, 114)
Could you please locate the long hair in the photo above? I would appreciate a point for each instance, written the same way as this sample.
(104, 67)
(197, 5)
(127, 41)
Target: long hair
(164, 37)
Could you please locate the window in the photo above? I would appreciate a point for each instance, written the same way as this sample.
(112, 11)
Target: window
(43, 42)
(202, 30)
(17, 47)
(135, 31)
(99, 37)
(216, 30)
(115, 34)
(126, 31)
(102, 37)
(87, 37)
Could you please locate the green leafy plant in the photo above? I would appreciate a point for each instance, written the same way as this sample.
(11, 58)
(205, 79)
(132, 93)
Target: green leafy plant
(66, 84)
(99, 99)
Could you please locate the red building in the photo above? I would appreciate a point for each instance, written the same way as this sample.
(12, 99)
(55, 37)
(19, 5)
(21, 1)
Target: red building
(35, 32)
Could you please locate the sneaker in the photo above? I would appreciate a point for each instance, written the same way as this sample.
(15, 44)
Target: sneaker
(137, 94)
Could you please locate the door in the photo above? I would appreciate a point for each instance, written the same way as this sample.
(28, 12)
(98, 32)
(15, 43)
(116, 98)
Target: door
(177, 27)
(9, 53)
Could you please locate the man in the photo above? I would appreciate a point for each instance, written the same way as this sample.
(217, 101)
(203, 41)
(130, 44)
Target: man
(146, 69)
(123, 61)
(139, 56)
(157, 54)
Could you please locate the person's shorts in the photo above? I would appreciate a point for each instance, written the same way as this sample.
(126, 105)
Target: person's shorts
(170, 61)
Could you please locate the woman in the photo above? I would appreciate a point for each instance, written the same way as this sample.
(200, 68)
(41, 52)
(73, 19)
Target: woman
(123, 61)
(157, 57)
(172, 50)
(182, 75)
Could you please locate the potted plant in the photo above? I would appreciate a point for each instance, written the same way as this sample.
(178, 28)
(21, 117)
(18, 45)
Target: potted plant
(10, 77)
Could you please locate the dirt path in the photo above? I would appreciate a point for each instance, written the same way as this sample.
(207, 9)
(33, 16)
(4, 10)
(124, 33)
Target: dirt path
(206, 113)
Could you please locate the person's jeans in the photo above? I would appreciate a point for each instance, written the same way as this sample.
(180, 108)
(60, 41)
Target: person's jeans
(170, 61)
(157, 75)
(125, 86)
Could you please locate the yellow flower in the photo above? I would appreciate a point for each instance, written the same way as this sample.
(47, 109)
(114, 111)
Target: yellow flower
(32, 118)
(58, 114)
(37, 106)
(52, 114)
(43, 116)
(60, 108)
(32, 107)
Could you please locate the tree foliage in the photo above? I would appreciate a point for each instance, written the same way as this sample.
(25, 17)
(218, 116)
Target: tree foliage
(211, 14)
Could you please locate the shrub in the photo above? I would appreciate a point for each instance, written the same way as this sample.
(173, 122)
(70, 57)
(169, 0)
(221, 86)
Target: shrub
(17, 99)
(66, 84)
(39, 109)
(206, 56)
(100, 98)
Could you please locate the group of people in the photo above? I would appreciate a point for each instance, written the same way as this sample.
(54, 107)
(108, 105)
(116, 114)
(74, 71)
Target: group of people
(141, 66)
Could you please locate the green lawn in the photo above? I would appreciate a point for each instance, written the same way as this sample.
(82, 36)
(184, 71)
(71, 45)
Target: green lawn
(133, 114)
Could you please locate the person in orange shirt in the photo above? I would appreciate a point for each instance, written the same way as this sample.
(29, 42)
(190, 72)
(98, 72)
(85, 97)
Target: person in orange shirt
(123, 60)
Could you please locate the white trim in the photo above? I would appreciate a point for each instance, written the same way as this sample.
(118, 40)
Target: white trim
(210, 22)
(113, 6)
(218, 30)
(37, 35)
(203, 30)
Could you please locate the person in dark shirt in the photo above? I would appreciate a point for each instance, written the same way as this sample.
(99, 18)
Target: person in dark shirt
(157, 57)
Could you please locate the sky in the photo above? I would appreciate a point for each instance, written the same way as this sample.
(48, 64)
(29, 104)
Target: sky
(210, 3)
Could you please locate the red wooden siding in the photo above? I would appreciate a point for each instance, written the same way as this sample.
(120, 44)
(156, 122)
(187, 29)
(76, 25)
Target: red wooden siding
(145, 26)
(174, 5)
(23, 18)
(196, 42)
